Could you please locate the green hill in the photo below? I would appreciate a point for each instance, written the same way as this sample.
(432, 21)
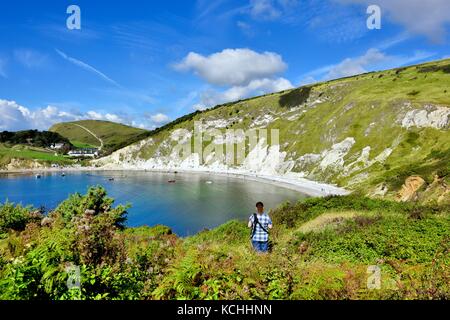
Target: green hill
(108, 136)
(368, 132)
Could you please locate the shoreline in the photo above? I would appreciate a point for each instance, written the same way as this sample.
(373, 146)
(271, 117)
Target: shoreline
(302, 185)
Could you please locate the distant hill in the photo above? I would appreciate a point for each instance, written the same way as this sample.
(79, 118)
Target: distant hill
(108, 136)
(35, 138)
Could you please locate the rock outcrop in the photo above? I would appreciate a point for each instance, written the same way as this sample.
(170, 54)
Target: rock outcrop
(410, 188)
(429, 117)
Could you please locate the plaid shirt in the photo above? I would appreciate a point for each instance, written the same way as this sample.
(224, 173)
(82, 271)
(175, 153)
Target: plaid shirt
(260, 234)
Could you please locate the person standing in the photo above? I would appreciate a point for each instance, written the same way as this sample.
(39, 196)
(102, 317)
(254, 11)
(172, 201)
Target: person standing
(260, 223)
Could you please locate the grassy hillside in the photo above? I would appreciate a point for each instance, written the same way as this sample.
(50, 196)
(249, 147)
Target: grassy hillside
(369, 132)
(323, 249)
(21, 156)
(113, 135)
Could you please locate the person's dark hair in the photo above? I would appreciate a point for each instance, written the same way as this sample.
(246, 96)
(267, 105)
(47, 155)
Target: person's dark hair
(260, 204)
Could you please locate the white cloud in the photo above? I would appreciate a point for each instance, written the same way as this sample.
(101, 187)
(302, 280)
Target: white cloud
(94, 115)
(428, 18)
(256, 87)
(160, 118)
(264, 9)
(270, 9)
(354, 66)
(392, 42)
(16, 117)
(87, 67)
(30, 58)
(199, 107)
(245, 28)
(372, 60)
(244, 73)
(233, 67)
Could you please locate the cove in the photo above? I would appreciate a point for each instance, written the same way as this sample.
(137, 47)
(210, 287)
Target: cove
(189, 204)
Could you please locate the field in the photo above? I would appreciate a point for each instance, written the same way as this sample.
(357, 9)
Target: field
(22, 152)
(82, 145)
(113, 135)
(335, 248)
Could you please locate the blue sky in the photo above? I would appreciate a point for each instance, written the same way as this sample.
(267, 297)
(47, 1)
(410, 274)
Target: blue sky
(145, 63)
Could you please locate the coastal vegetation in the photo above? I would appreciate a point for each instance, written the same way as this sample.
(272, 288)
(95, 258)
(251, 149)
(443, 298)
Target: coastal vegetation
(323, 248)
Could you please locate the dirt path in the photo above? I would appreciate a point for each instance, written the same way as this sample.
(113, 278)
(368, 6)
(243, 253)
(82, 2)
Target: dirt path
(91, 133)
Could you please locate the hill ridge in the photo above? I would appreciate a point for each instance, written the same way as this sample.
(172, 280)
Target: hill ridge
(106, 135)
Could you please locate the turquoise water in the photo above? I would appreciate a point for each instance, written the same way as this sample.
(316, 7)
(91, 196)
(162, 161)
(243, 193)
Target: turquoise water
(193, 203)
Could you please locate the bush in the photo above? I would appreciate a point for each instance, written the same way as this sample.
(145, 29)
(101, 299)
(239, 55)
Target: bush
(437, 68)
(390, 238)
(14, 217)
(96, 203)
(295, 97)
(85, 232)
(413, 93)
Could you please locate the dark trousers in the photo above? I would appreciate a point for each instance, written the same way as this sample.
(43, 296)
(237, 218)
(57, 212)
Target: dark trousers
(261, 246)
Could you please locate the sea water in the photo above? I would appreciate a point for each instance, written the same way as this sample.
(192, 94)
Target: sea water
(188, 203)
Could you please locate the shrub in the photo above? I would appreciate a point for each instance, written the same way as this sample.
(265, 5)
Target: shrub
(413, 93)
(436, 68)
(96, 241)
(97, 203)
(390, 238)
(295, 97)
(14, 217)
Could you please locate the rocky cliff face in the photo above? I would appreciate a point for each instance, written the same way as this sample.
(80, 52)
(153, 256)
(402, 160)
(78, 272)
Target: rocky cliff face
(20, 164)
(369, 133)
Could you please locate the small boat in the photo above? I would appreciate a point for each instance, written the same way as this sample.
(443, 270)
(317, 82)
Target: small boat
(63, 174)
(111, 179)
(209, 182)
(172, 181)
(38, 176)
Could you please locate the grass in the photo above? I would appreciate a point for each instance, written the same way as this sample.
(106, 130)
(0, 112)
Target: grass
(114, 136)
(22, 152)
(83, 145)
(328, 220)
